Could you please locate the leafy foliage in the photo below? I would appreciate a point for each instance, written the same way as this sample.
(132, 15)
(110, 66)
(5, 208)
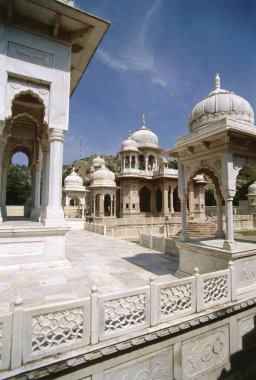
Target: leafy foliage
(18, 185)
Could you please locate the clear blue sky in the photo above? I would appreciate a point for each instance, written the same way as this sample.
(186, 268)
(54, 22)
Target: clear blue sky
(159, 57)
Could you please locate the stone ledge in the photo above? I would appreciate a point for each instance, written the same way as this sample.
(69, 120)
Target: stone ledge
(114, 346)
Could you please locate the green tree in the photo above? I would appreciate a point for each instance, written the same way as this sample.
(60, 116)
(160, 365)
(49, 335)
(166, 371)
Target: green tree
(18, 185)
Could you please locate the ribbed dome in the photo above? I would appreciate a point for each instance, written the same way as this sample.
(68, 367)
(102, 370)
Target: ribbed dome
(97, 162)
(144, 137)
(219, 104)
(252, 189)
(73, 181)
(129, 145)
(103, 177)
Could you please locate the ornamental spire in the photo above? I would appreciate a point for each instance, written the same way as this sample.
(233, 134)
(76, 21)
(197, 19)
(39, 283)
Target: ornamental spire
(217, 82)
(143, 122)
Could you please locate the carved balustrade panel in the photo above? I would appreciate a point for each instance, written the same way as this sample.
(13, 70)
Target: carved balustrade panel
(216, 288)
(125, 312)
(52, 329)
(178, 298)
(57, 328)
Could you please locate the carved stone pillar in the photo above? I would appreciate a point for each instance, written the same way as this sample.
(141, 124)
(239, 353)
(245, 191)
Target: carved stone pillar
(165, 200)
(45, 180)
(4, 187)
(219, 233)
(54, 215)
(35, 212)
(171, 201)
(3, 179)
(229, 243)
(146, 163)
(101, 205)
(183, 203)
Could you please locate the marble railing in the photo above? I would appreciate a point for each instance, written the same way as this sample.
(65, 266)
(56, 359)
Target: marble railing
(147, 220)
(95, 227)
(33, 333)
(158, 243)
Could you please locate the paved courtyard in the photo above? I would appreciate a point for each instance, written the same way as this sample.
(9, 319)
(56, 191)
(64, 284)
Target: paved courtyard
(111, 264)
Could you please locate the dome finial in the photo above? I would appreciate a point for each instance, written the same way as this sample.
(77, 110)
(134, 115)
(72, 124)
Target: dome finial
(73, 169)
(129, 134)
(217, 81)
(143, 122)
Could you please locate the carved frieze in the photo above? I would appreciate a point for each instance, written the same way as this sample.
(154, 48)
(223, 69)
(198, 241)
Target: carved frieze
(156, 366)
(22, 248)
(27, 54)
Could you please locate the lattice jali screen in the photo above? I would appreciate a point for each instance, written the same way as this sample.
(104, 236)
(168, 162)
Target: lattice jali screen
(216, 288)
(119, 314)
(175, 299)
(178, 298)
(52, 329)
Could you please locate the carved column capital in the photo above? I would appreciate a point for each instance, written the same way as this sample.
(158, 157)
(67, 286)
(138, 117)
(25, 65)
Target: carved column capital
(56, 135)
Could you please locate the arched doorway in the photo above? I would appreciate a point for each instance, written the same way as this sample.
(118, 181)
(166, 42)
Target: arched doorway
(97, 204)
(145, 200)
(176, 200)
(18, 187)
(107, 205)
(142, 163)
(158, 200)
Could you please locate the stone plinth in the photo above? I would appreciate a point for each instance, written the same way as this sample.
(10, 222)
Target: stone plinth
(208, 256)
(25, 245)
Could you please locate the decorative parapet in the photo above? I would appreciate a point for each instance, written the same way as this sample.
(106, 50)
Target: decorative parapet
(159, 243)
(98, 228)
(31, 334)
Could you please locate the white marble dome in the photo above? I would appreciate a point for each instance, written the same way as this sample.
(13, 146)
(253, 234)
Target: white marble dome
(252, 189)
(103, 177)
(219, 104)
(129, 145)
(97, 162)
(73, 181)
(144, 137)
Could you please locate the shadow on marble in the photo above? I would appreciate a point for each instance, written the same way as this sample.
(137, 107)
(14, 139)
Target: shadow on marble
(156, 263)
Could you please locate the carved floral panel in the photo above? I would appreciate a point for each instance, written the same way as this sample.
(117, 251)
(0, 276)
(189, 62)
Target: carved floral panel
(246, 270)
(205, 352)
(156, 366)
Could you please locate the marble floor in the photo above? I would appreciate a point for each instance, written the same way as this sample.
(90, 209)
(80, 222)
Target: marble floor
(109, 263)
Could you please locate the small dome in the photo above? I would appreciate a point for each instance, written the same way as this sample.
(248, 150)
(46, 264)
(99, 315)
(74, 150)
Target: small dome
(97, 162)
(219, 104)
(199, 178)
(103, 177)
(73, 181)
(144, 137)
(252, 189)
(129, 145)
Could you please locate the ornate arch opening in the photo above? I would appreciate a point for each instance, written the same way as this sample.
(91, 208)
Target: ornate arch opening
(209, 173)
(158, 200)
(145, 199)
